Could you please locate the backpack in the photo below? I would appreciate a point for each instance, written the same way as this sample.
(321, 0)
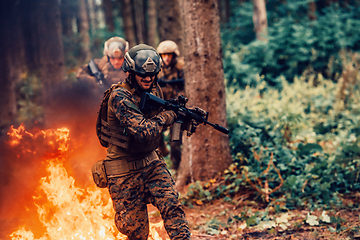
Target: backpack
(103, 114)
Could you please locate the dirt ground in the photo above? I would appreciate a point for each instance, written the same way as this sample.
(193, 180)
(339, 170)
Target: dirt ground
(200, 218)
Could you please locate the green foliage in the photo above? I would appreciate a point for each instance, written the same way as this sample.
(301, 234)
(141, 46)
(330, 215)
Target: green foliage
(29, 92)
(213, 227)
(283, 127)
(299, 146)
(296, 44)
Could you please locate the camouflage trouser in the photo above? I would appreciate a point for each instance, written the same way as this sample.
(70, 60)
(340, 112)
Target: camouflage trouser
(131, 193)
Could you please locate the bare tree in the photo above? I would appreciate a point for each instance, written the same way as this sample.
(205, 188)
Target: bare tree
(109, 18)
(170, 24)
(127, 15)
(11, 63)
(152, 20)
(68, 13)
(84, 31)
(224, 10)
(312, 10)
(139, 20)
(207, 152)
(260, 20)
(50, 46)
(93, 25)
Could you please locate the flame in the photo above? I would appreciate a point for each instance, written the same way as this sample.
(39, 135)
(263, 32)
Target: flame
(65, 210)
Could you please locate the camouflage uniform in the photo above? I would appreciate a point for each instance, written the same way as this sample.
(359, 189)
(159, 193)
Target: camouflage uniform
(168, 73)
(111, 75)
(151, 183)
(114, 47)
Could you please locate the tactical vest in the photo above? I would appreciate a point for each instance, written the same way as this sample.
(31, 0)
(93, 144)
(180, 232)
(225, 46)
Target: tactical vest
(170, 73)
(109, 130)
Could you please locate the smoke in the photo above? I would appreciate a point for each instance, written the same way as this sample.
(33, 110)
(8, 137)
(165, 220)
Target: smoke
(22, 165)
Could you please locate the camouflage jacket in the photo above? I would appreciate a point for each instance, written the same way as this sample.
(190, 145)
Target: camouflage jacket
(145, 128)
(170, 73)
(111, 75)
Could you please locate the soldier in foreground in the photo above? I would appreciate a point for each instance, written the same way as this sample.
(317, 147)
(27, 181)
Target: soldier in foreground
(102, 73)
(135, 172)
(171, 79)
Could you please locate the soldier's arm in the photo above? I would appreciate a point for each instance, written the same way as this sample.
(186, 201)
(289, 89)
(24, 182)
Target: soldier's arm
(84, 74)
(130, 116)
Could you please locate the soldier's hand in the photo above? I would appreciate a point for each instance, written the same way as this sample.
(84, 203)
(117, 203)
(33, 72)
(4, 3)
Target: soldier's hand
(167, 118)
(99, 76)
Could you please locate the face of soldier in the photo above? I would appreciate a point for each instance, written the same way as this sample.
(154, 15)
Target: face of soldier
(116, 62)
(144, 82)
(167, 57)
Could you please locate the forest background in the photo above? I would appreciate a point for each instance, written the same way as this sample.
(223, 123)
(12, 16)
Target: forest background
(291, 77)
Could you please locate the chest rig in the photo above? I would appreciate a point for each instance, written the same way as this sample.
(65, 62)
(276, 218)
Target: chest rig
(109, 130)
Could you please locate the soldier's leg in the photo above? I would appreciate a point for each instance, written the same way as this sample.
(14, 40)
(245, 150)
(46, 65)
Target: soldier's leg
(131, 216)
(164, 196)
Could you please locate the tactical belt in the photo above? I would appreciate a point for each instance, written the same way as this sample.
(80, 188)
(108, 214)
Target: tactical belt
(122, 167)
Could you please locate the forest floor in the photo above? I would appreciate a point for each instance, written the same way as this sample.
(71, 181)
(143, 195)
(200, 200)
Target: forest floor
(216, 221)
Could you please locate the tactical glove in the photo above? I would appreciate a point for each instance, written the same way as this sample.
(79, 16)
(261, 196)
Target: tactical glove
(166, 118)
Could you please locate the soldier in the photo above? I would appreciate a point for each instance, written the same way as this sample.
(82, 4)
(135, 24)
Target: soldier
(171, 78)
(136, 172)
(106, 71)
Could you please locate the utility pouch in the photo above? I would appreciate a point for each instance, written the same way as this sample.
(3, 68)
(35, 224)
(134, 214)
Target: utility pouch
(99, 174)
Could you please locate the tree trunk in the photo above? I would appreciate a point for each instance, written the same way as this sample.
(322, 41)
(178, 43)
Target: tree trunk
(260, 20)
(127, 16)
(51, 53)
(11, 63)
(170, 24)
(84, 31)
(152, 32)
(93, 25)
(67, 15)
(29, 29)
(109, 18)
(139, 20)
(206, 153)
(312, 11)
(224, 10)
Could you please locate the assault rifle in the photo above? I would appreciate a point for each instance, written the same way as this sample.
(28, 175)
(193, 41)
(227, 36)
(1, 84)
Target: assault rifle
(162, 82)
(95, 71)
(188, 119)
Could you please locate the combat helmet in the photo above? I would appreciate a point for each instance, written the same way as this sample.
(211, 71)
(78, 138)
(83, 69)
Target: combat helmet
(168, 46)
(116, 47)
(142, 60)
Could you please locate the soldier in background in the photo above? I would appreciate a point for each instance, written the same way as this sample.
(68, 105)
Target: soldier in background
(171, 79)
(102, 73)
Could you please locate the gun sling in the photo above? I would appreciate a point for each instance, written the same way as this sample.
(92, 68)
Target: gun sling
(122, 167)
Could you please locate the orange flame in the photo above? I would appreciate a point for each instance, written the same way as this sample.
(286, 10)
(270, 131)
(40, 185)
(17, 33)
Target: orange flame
(69, 212)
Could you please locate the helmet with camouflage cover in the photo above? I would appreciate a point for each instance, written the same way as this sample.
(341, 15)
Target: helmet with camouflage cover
(116, 47)
(142, 60)
(168, 46)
